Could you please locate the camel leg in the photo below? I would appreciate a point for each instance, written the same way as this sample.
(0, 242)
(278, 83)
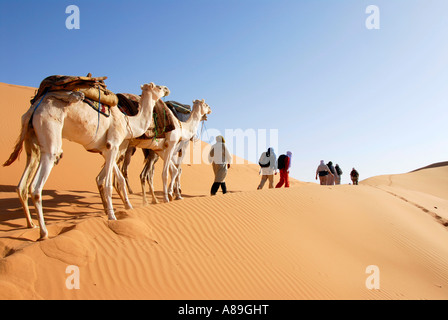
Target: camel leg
(47, 162)
(124, 168)
(120, 187)
(168, 155)
(177, 188)
(178, 163)
(100, 186)
(148, 174)
(143, 176)
(104, 180)
(32, 163)
(174, 173)
(49, 135)
(150, 177)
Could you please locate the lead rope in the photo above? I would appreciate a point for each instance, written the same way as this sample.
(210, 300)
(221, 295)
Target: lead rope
(98, 109)
(202, 130)
(99, 106)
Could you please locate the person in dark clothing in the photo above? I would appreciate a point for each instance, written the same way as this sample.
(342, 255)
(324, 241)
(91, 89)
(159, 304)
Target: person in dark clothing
(332, 177)
(354, 175)
(337, 179)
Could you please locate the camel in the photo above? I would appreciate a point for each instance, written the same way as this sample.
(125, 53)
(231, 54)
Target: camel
(147, 174)
(171, 149)
(64, 114)
(151, 158)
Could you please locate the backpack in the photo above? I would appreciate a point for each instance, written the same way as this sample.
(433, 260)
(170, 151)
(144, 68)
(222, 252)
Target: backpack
(263, 158)
(331, 167)
(281, 161)
(338, 170)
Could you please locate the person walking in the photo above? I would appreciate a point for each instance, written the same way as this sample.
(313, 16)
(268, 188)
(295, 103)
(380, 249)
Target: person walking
(220, 159)
(354, 175)
(332, 177)
(283, 166)
(268, 169)
(323, 171)
(339, 172)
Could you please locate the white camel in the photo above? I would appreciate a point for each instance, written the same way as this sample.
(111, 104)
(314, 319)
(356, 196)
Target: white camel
(151, 158)
(64, 114)
(171, 149)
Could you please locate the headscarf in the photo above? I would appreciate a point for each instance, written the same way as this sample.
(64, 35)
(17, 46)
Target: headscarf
(331, 167)
(219, 153)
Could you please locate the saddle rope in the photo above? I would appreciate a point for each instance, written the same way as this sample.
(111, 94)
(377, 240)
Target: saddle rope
(37, 106)
(98, 111)
(128, 125)
(202, 130)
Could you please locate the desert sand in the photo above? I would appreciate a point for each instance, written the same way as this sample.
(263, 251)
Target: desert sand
(304, 242)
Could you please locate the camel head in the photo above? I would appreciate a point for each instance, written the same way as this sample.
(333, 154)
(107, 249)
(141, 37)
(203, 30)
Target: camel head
(204, 108)
(157, 92)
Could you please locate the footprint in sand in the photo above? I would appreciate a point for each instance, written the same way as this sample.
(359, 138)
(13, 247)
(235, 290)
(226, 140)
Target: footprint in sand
(131, 228)
(72, 248)
(18, 277)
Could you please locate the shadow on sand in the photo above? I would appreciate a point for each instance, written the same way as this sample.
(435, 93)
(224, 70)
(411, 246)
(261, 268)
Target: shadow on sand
(62, 206)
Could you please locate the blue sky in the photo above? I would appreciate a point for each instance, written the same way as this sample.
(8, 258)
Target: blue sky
(334, 90)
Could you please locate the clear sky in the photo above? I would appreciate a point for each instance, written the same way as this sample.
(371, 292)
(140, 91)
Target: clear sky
(335, 90)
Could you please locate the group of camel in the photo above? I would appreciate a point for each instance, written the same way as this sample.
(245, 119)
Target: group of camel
(64, 114)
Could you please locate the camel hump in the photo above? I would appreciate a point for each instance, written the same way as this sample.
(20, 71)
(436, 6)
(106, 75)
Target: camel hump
(93, 88)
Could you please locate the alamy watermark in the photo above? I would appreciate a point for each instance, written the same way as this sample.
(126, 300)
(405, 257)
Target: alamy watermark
(247, 145)
(373, 280)
(73, 280)
(373, 20)
(73, 21)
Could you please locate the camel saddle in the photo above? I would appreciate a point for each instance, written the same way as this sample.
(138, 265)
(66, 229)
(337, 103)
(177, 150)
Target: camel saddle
(93, 88)
(163, 118)
(178, 107)
(128, 103)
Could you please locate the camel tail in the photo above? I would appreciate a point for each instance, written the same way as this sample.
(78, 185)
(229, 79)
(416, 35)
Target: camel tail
(19, 144)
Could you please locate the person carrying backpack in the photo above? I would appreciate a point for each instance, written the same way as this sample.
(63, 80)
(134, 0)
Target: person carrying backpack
(355, 176)
(283, 165)
(323, 171)
(268, 166)
(339, 172)
(331, 179)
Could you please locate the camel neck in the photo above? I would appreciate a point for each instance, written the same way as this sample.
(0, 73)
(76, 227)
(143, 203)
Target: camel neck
(141, 122)
(193, 122)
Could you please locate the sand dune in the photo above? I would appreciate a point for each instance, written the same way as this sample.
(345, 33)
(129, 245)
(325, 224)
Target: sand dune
(305, 242)
(424, 188)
